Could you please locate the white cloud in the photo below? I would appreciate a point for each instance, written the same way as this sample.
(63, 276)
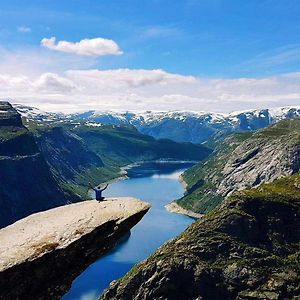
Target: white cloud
(24, 29)
(52, 83)
(126, 78)
(89, 47)
(148, 89)
(138, 89)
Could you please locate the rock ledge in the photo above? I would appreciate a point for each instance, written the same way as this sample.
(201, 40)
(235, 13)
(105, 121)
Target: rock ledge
(41, 255)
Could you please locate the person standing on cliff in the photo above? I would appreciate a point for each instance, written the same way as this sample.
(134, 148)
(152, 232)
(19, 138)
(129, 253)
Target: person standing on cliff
(98, 191)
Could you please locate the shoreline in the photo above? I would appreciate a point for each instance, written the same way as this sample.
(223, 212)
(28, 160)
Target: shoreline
(183, 183)
(173, 207)
(123, 170)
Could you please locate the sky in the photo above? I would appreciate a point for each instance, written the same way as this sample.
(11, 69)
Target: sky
(192, 55)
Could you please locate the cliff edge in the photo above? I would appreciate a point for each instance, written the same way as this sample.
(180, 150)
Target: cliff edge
(41, 254)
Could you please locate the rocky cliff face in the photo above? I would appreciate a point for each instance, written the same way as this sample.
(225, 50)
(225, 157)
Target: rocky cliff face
(266, 156)
(241, 161)
(249, 248)
(42, 254)
(27, 184)
(71, 162)
(9, 116)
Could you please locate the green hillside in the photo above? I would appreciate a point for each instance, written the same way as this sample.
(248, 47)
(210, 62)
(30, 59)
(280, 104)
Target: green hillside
(78, 154)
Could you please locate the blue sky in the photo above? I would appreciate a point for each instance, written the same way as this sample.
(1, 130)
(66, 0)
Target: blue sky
(210, 39)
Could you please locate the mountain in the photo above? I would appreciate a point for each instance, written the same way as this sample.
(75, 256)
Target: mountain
(124, 144)
(79, 154)
(71, 161)
(53, 161)
(195, 127)
(243, 160)
(27, 185)
(246, 249)
(192, 127)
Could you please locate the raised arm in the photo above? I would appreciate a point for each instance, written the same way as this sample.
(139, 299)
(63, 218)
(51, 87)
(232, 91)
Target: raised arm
(105, 187)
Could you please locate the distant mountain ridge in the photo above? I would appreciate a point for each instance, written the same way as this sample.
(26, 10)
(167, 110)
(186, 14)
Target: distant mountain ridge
(195, 127)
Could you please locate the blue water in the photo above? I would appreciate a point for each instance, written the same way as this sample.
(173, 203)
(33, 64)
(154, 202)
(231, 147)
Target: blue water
(156, 183)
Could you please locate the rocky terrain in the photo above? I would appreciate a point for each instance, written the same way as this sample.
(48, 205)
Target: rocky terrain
(243, 160)
(27, 185)
(248, 248)
(42, 254)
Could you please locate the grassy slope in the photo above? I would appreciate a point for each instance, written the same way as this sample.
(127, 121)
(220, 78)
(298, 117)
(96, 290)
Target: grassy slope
(124, 144)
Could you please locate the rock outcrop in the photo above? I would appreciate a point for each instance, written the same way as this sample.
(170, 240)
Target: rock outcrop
(243, 160)
(248, 248)
(27, 185)
(270, 154)
(9, 116)
(42, 254)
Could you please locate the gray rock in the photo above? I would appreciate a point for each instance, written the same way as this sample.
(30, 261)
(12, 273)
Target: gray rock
(41, 255)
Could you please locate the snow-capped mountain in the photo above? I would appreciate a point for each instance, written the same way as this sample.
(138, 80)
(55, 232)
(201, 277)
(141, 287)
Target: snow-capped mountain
(29, 113)
(180, 126)
(192, 126)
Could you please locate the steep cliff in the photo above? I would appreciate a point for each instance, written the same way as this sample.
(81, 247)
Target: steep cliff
(241, 161)
(125, 144)
(42, 254)
(71, 161)
(27, 185)
(248, 248)
(79, 154)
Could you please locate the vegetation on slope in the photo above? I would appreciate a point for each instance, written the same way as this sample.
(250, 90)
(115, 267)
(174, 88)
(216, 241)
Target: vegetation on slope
(124, 144)
(27, 185)
(79, 154)
(247, 248)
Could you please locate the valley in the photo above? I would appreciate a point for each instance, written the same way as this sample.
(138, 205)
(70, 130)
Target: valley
(150, 150)
(238, 182)
(47, 165)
